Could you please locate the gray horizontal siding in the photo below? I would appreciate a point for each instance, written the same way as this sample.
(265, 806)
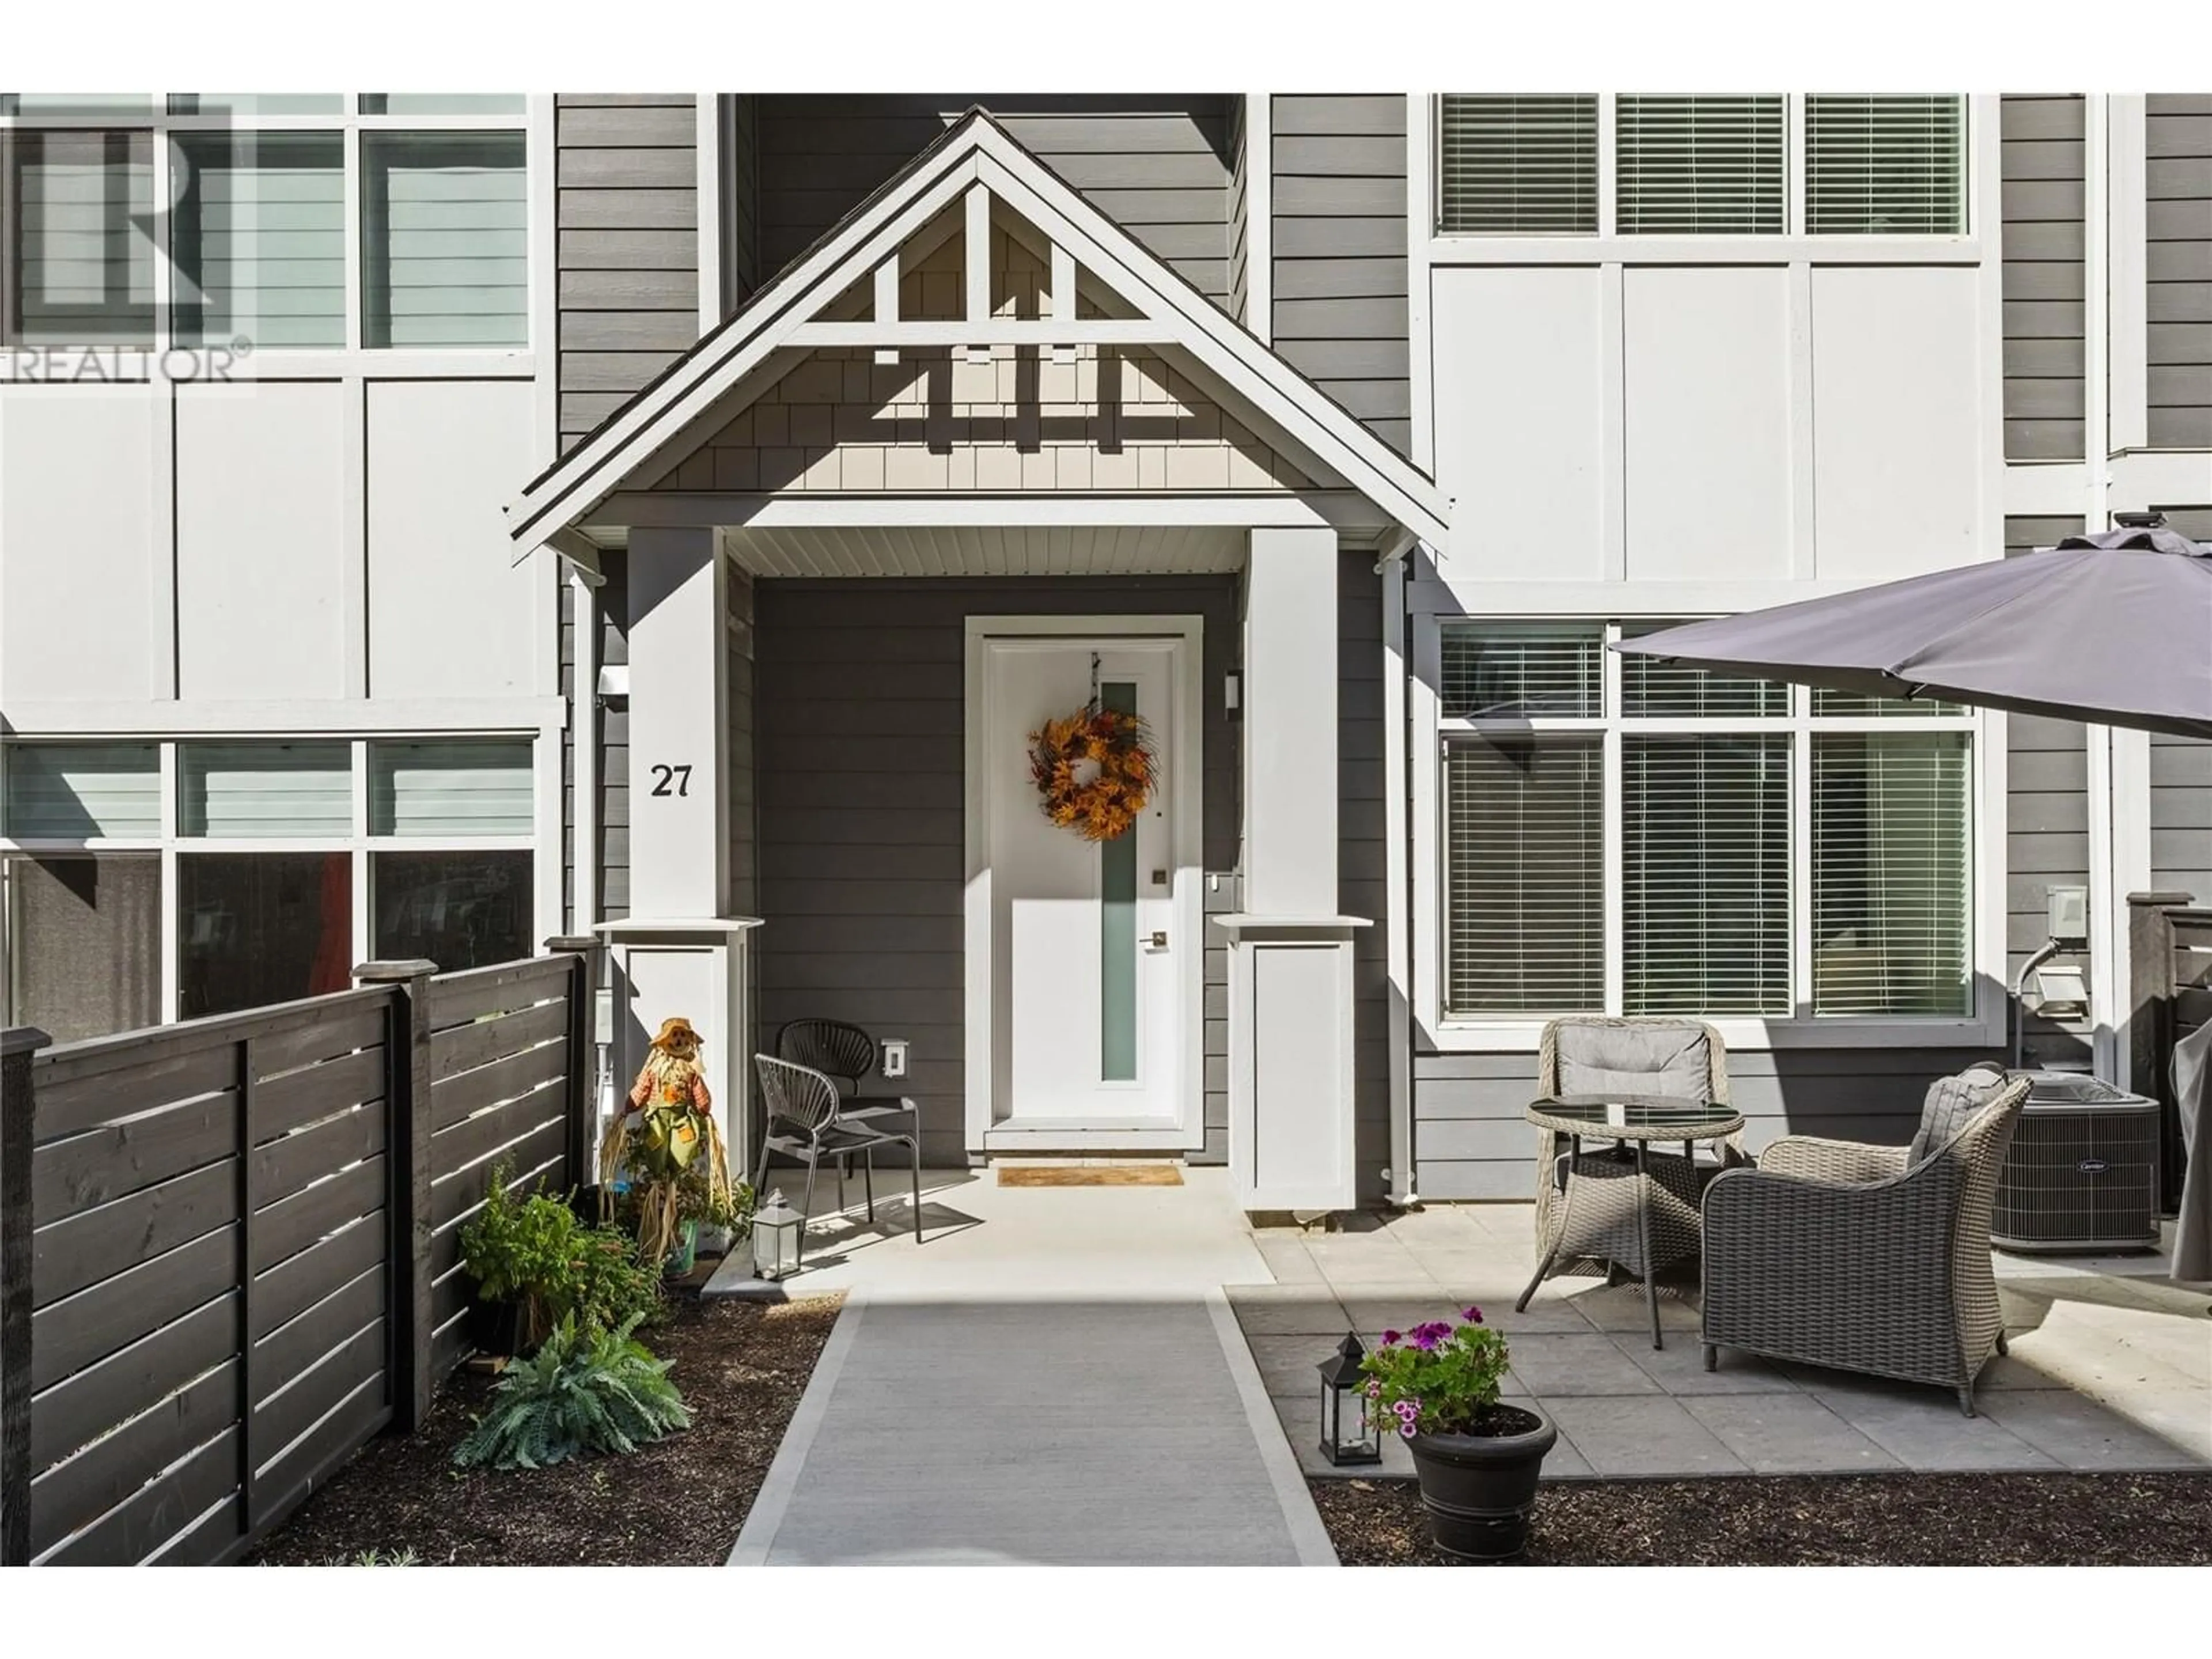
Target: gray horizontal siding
(860, 689)
(2178, 261)
(1363, 884)
(1338, 166)
(1240, 228)
(2047, 827)
(2041, 147)
(2181, 780)
(1472, 1142)
(628, 226)
(1159, 166)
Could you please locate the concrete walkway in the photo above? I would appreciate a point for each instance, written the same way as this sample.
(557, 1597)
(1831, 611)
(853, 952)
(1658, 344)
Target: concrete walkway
(1055, 1377)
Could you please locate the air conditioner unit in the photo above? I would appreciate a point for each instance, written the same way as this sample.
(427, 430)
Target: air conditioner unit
(2082, 1174)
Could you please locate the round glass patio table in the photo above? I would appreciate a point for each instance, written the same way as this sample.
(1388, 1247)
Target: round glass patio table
(1635, 1121)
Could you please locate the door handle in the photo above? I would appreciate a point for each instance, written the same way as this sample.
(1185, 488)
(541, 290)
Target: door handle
(1160, 940)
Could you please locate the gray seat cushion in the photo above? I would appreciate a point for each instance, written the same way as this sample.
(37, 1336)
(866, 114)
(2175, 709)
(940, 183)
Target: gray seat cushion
(1675, 1060)
(1951, 1102)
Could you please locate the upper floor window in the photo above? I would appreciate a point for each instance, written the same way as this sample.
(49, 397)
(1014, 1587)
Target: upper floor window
(1578, 164)
(254, 243)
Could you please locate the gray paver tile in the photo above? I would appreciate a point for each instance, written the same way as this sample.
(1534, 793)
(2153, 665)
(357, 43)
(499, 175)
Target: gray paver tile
(1288, 1310)
(1652, 1435)
(1680, 1367)
(1925, 1430)
(1622, 1308)
(1788, 1433)
(1551, 1365)
(2081, 1433)
(1289, 1260)
(1371, 1315)
(1290, 1365)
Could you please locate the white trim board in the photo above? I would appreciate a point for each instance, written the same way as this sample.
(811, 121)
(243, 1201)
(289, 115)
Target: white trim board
(985, 1131)
(975, 152)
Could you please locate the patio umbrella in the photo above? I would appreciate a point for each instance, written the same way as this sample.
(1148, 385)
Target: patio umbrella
(2114, 628)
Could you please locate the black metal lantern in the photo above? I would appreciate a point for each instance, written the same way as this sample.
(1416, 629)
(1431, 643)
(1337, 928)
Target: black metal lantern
(1349, 1433)
(779, 1235)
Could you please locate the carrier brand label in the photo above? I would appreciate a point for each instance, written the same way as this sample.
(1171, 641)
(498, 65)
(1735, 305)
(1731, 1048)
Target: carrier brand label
(2091, 1166)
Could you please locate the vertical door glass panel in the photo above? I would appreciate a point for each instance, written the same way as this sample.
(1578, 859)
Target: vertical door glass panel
(84, 943)
(259, 238)
(73, 790)
(1117, 930)
(247, 789)
(445, 239)
(82, 203)
(457, 909)
(255, 928)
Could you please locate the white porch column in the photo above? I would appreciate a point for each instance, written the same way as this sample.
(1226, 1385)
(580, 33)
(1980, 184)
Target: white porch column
(1290, 961)
(679, 952)
(677, 646)
(1289, 724)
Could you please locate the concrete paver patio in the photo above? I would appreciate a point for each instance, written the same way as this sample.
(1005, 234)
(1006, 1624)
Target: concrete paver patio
(2110, 1366)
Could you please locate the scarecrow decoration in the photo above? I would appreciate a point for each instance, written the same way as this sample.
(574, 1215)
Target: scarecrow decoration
(668, 1125)
(1094, 769)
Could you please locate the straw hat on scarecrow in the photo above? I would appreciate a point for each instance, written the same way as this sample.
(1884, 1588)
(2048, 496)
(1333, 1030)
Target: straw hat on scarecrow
(666, 1125)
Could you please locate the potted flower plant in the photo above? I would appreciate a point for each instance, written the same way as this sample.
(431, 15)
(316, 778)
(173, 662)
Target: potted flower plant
(1478, 1458)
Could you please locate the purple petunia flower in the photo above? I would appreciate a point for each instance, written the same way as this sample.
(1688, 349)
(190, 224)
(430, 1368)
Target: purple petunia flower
(1374, 1388)
(1472, 1315)
(1407, 1430)
(1426, 1336)
(1391, 1339)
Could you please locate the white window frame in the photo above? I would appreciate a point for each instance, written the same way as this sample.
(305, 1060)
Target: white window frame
(1511, 1034)
(532, 124)
(1793, 246)
(357, 842)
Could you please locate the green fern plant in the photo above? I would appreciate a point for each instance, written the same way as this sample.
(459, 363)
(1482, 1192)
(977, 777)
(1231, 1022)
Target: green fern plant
(585, 1390)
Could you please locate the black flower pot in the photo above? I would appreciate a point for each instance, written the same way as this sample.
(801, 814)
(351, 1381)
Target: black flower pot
(499, 1328)
(1479, 1488)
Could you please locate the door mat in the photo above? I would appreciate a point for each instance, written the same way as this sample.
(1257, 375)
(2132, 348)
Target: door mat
(1090, 1175)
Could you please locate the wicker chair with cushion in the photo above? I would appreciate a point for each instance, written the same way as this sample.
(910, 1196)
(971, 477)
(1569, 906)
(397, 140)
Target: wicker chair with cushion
(1586, 1217)
(1868, 1258)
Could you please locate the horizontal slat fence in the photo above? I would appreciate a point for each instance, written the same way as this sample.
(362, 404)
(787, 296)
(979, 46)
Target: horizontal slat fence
(229, 1249)
(2170, 962)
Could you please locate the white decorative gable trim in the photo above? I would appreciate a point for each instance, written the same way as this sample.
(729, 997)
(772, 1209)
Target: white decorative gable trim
(975, 164)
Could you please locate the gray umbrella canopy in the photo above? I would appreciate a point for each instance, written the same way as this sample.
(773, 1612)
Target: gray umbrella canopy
(2115, 628)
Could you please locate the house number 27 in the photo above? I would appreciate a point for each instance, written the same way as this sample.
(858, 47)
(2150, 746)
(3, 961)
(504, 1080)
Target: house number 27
(672, 780)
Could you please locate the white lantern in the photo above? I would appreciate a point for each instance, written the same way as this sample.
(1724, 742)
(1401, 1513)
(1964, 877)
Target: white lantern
(779, 1234)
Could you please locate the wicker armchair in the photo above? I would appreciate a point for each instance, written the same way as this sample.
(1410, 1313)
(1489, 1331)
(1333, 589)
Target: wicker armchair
(1588, 1224)
(1866, 1258)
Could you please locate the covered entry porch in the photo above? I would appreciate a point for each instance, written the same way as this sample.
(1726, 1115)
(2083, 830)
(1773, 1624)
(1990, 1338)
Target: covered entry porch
(977, 461)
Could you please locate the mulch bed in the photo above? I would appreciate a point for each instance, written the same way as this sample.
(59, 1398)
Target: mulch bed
(678, 1501)
(1913, 1520)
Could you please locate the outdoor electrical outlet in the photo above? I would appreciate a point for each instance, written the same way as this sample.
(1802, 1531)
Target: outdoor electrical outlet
(894, 1056)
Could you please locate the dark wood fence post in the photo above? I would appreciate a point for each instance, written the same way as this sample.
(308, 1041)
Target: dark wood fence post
(583, 1076)
(16, 1048)
(407, 1157)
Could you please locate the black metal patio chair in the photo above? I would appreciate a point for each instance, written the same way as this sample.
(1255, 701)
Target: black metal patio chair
(848, 1053)
(803, 1121)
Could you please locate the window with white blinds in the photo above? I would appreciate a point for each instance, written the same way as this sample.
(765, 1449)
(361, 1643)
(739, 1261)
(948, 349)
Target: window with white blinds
(259, 238)
(1678, 791)
(1522, 670)
(75, 791)
(265, 789)
(1524, 875)
(1705, 874)
(1518, 166)
(1892, 856)
(1885, 166)
(445, 239)
(82, 242)
(458, 789)
(1701, 166)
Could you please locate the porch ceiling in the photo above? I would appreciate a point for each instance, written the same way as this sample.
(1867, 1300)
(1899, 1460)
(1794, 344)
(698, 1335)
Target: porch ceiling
(990, 551)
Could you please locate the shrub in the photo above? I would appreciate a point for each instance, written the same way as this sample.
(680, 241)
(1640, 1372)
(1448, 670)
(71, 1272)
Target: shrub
(535, 1251)
(584, 1391)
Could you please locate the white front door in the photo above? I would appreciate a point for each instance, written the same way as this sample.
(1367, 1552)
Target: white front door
(1089, 992)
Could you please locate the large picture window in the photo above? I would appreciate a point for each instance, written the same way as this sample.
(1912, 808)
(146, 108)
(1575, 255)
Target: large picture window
(144, 881)
(255, 192)
(1622, 836)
